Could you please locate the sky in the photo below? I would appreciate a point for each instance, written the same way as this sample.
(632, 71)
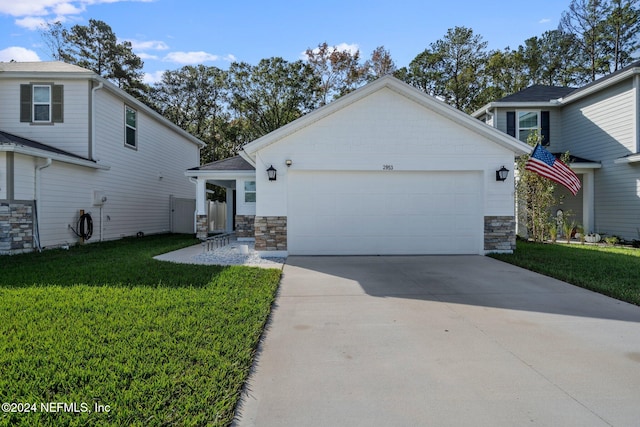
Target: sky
(169, 34)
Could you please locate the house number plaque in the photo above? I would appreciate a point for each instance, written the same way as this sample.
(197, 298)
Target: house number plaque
(387, 167)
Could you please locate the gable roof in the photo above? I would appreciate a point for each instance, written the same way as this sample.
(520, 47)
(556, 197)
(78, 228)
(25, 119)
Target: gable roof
(58, 69)
(42, 67)
(398, 87)
(603, 82)
(15, 143)
(235, 163)
(538, 93)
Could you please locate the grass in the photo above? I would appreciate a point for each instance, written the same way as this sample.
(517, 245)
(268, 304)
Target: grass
(610, 270)
(159, 343)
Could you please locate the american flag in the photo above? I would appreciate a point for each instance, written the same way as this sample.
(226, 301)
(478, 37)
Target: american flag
(545, 164)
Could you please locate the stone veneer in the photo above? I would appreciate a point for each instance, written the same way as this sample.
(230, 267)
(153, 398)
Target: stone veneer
(202, 227)
(245, 225)
(499, 233)
(16, 227)
(271, 233)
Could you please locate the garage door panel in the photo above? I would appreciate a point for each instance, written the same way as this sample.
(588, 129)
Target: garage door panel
(348, 204)
(347, 225)
(384, 212)
(422, 205)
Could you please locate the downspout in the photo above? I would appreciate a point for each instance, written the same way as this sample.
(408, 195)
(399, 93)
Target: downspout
(636, 91)
(92, 143)
(38, 205)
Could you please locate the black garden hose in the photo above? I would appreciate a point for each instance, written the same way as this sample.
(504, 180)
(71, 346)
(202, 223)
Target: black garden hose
(84, 228)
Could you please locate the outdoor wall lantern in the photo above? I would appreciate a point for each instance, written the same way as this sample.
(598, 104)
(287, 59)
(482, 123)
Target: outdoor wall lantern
(502, 173)
(288, 162)
(271, 172)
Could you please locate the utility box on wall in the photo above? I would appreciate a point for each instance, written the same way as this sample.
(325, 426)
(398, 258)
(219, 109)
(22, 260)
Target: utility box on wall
(99, 198)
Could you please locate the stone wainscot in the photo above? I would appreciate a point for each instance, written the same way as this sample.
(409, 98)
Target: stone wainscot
(16, 227)
(499, 233)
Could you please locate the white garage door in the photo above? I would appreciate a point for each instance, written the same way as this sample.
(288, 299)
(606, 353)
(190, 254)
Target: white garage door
(384, 213)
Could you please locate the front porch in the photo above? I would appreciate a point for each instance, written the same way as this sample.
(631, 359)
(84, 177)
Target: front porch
(237, 177)
(580, 207)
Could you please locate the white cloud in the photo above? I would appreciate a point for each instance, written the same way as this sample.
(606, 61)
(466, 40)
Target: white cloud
(151, 78)
(149, 45)
(19, 54)
(23, 8)
(148, 56)
(41, 7)
(544, 21)
(31, 23)
(190, 57)
(26, 11)
(64, 9)
(351, 48)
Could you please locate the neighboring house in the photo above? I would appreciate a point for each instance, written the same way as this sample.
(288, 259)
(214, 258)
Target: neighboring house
(70, 141)
(598, 124)
(385, 169)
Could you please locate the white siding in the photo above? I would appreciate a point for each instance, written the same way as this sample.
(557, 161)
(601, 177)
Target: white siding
(385, 128)
(72, 135)
(242, 207)
(24, 172)
(602, 128)
(137, 186)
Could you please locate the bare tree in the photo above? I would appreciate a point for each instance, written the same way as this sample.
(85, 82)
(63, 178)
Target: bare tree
(380, 64)
(339, 71)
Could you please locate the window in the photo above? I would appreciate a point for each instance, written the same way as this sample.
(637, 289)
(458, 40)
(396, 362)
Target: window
(527, 123)
(41, 103)
(130, 127)
(520, 124)
(250, 191)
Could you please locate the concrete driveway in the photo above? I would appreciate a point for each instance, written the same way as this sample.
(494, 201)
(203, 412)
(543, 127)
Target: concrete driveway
(441, 341)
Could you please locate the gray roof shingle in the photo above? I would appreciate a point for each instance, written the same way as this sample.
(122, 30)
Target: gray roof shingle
(538, 93)
(10, 139)
(235, 163)
(42, 67)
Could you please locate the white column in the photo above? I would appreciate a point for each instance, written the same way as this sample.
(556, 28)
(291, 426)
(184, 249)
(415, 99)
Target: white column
(201, 196)
(588, 199)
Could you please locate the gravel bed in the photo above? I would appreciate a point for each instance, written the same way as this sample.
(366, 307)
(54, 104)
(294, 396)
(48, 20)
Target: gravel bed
(231, 255)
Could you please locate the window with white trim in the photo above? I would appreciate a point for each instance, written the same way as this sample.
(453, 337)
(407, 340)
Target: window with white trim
(41, 103)
(130, 127)
(250, 191)
(521, 123)
(528, 121)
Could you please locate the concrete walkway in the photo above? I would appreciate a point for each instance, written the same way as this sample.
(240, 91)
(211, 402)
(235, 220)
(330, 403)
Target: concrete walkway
(441, 341)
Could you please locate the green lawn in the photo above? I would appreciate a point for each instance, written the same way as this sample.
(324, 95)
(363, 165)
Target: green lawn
(159, 343)
(609, 270)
